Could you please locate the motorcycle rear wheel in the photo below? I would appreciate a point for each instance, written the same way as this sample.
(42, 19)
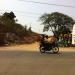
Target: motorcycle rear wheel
(55, 49)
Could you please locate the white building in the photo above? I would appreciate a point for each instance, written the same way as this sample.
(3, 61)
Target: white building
(73, 35)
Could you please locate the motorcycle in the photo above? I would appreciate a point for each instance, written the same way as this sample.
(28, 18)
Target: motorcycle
(49, 47)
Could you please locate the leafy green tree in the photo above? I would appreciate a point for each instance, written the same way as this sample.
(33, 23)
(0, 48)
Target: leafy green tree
(55, 21)
(30, 29)
(63, 30)
(8, 19)
(18, 29)
(13, 30)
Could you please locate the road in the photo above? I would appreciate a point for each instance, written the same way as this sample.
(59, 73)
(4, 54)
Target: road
(23, 62)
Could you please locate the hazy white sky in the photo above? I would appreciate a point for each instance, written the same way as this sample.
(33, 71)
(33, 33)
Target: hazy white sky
(29, 13)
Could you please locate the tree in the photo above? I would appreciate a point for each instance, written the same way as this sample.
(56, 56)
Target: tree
(10, 16)
(8, 19)
(30, 29)
(63, 30)
(55, 21)
(12, 29)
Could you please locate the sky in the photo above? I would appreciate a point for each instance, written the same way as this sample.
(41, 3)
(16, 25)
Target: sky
(28, 13)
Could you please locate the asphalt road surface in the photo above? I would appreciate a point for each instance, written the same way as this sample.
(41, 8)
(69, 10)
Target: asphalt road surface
(34, 63)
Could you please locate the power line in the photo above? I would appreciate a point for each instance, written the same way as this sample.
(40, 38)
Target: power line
(24, 15)
(24, 12)
(48, 3)
(21, 13)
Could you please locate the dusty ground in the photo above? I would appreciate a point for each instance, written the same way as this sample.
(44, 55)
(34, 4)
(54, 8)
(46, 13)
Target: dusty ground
(27, 60)
(26, 47)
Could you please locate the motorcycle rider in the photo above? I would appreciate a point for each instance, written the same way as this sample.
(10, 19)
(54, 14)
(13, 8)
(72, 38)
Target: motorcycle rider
(50, 41)
(48, 44)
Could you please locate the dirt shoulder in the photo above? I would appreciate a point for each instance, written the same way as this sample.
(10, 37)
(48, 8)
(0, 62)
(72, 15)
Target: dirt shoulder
(23, 47)
(31, 47)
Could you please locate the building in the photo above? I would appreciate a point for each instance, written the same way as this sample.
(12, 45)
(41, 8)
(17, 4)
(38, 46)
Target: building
(73, 35)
